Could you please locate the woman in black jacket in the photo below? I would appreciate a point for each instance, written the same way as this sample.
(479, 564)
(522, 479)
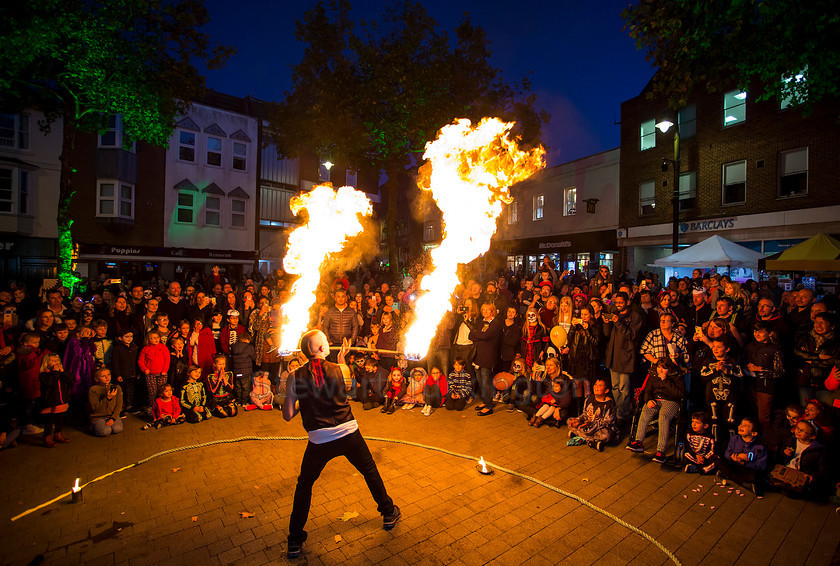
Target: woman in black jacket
(485, 334)
(510, 340)
(664, 394)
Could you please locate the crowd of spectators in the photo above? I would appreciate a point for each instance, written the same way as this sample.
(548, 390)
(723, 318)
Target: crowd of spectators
(749, 369)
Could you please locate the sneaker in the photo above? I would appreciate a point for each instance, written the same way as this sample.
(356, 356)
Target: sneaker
(295, 549)
(599, 446)
(407, 407)
(123, 415)
(31, 429)
(635, 446)
(691, 469)
(388, 521)
(659, 457)
(146, 427)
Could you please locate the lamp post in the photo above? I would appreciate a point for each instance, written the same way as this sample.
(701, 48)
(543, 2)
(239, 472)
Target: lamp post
(664, 126)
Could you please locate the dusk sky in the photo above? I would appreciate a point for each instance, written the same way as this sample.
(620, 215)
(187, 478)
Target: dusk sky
(583, 66)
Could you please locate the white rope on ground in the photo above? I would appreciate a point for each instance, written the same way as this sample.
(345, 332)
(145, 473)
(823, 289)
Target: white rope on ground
(562, 492)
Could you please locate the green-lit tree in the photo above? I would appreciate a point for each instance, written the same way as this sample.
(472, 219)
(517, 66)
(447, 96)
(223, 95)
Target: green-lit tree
(778, 49)
(375, 96)
(81, 61)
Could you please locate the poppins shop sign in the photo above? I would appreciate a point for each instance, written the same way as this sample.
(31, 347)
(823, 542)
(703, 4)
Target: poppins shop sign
(709, 225)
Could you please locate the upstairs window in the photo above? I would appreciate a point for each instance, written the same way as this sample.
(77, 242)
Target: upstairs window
(513, 213)
(212, 211)
(788, 84)
(734, 107)
(569, 201)
(648, 135)
(185, 211)
(688, 190)
(352, 179)
(186, 146)
(793, 173)
(687, 121)
(647, 197)
(240, 156)
(539, 204)
(237, 213)
(214, 151)
(113, 135)
(735, 183)
(14, 131)
(114, 199)
(429, 232)
(14, 191)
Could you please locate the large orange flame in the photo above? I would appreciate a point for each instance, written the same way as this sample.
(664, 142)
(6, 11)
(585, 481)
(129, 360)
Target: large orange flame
(334, 216)
(469, 171)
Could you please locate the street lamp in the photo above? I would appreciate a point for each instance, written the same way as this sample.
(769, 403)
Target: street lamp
(663, 127)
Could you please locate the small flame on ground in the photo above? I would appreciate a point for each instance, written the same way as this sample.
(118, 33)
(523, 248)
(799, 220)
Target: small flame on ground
(469, 171)
(334, 216)
(483, 465)
(76, 487)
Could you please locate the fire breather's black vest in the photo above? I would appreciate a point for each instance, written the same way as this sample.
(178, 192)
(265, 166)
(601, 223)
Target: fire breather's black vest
(319, 386)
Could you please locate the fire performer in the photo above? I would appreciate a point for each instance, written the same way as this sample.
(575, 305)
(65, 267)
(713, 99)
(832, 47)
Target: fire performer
(318, 390)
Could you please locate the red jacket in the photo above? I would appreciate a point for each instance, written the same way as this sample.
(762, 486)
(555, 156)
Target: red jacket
(206, 350)
(154, 358)
(441, 384)
(164, 408)
(29, 371)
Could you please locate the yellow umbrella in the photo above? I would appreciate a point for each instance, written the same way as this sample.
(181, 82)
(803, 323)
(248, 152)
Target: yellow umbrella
(819, 253)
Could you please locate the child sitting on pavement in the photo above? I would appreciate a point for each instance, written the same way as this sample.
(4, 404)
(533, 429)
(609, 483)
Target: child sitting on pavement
(745, 459)
(394, 391)
(699, 456)
(595, 424)
(459, 386)
(105, 402)
(435, 391)
(261, 395)
(167, 410)
(220, 387)
(802, 451)
(415, 385)
(194, 397)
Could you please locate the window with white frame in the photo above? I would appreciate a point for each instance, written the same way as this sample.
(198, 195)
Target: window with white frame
(569, 201)
(687, 121)
(734, 107)
(513, 213)
(734, 183)
(14, 131)
(114, 136)
(240, 156)
(539, 205)
(237, 213)
(114, 199)
(793, 172)
(648, 135)
(14, 191)
(688, 190)
(647, 197)
(186, 146)
(185, 211)
(212, 211)
(214, 151)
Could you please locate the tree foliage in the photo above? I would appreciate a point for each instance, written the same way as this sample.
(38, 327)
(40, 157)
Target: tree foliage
(373, 93)
(82, 60)
(773, 48)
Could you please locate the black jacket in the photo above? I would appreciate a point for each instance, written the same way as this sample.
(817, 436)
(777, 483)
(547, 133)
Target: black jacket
(124, 360)
(486, 338)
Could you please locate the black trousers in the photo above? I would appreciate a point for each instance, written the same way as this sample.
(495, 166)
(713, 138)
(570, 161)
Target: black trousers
(352, 447)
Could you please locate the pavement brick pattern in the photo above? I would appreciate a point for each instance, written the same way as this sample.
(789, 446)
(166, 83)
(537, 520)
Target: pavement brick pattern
(152, 514)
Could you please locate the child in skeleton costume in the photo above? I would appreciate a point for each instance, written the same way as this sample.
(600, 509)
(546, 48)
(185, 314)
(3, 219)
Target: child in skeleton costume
(722, 378)
(699, 456)
(194, 397)
(220, 387)
(534, 338)
(594, 426)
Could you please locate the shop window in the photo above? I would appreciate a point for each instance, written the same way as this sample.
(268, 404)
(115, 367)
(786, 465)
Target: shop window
(237, 213)
(186, 146)
(214, 151)
(14, 131)
(648, 135)
(688, 190)
(513, 213)
(582, 262)
(687, 121)
(607, 259)
(793, 172)
(735, 183)
(734, 107)
(212, 211)
(240, 156)
(647, 197)
(539, 204)
(185, 213)
(569, 201)
(114, 199)
(14, 191)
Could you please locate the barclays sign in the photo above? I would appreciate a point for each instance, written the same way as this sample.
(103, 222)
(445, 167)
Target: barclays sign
(708, 225)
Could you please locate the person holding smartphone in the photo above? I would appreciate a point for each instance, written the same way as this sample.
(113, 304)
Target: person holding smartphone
(106, 402)
(623, 330)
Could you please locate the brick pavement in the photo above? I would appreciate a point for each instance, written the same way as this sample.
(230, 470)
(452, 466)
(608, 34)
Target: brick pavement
(451, 515)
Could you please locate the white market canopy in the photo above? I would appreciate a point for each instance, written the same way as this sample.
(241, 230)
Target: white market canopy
(712, 252)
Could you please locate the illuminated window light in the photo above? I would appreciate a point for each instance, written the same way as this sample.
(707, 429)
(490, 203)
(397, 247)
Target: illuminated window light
(741, 96)
(730, 119)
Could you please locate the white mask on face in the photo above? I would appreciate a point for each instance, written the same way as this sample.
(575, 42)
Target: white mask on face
(532, 317)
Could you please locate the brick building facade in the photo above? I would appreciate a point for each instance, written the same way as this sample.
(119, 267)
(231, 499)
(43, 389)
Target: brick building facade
(755, 172)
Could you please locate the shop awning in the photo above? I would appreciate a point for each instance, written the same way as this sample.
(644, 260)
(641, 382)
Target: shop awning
(819, 253)
(712, 252)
